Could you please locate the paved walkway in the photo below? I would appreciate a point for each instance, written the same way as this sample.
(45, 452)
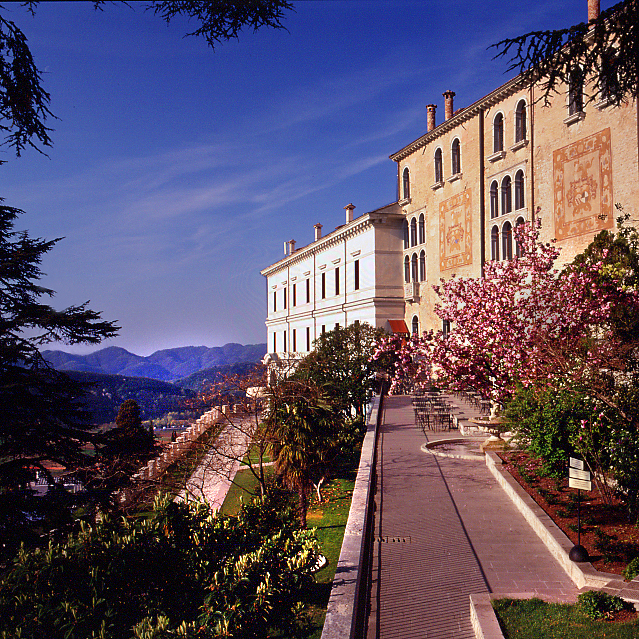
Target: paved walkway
(444, 530)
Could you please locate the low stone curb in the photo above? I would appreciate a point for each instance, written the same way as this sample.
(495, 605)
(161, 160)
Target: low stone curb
(341, 612)
(584, 575)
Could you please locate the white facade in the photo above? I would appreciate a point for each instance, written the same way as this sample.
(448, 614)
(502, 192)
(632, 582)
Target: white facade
(337, 280)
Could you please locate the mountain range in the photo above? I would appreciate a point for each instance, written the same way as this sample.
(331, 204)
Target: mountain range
(166, 365)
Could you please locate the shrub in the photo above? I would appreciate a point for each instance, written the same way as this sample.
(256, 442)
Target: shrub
(177, 571)
(595, 604)
(632, 569)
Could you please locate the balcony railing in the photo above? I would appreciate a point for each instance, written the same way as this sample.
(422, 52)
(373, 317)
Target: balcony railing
(411, 291)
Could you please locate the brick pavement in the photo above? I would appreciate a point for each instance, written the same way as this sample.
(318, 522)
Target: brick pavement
(444, 529)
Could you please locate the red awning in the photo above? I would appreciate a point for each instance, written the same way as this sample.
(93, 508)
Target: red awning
(399, 326)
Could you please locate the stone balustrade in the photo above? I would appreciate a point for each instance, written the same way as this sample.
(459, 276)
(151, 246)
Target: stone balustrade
(177, 449)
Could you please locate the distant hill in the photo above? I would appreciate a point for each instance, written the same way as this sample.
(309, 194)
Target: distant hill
(166, 365)
(201, 380)
(106, 393)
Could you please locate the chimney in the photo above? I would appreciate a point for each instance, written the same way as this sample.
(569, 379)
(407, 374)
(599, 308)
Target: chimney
(349, 212)
(448, 106)
(286, 248)
(593, 10)
(318, 231)
(292, 245)
(430, 118)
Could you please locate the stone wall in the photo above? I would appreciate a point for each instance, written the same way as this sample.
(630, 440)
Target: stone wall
(181, 446)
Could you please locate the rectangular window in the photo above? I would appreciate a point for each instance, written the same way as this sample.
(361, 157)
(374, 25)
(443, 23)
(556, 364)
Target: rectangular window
(337, 281)
(275, 342)
(323, 285)
(284, 298)
(323, 329)
(294, 340)
(274, 301)
(294, 294)
(337, 325)
(356, 287)
(308, 291)
(308, 338)
(285, 341)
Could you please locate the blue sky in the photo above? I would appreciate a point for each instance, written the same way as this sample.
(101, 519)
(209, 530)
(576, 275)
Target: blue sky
(177, 172)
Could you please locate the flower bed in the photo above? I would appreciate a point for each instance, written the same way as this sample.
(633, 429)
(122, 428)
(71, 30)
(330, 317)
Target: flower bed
(611, 540)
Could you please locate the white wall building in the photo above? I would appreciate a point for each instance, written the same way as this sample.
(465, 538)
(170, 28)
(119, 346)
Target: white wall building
(338, 279)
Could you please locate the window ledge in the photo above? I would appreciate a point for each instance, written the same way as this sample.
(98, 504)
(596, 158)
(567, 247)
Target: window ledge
(603, 103)
(497, 155)
(455, 176)
(437, 185)
(519, 145)
(574, 117)
(404, 201)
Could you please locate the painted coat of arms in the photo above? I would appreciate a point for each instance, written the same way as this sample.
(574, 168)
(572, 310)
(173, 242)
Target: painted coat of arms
(455, 231)
(582, 174)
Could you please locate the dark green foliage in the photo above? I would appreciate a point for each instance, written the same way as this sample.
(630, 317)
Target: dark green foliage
(105, 394)
(341, 362)
(178, 566)
(619, 253)
(128, 439)
(24, 104)
(41, 419)
(632, 569)
(597, 604)
(222, 20)
(305, 429)
(550, 57)
(545, 420)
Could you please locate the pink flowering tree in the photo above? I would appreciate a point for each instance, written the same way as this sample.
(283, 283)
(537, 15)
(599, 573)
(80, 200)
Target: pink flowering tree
(524, 322)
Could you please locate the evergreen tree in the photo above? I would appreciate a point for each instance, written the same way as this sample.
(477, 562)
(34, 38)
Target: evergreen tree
(605, 50)
(42, 422)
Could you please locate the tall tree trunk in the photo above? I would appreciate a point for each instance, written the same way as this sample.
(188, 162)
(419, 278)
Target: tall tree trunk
(303, 496)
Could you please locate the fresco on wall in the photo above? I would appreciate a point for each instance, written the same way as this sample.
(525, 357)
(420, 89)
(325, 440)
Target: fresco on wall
(455, 236)
(582, 174)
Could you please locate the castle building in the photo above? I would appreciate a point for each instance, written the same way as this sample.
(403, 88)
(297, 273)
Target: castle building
(462, 188)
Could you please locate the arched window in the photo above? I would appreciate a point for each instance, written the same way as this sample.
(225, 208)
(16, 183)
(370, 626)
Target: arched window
(413, 267)
(609, 75)
(405, 230)
(413, 232)
(421, 230)
(506, 195)
(422, 266)
(494, 200)
(576, 92)
(498, 133)
(415, 325)
(456, 157)
(507, 241)
(519, 249)
(439, 167)
(520, 121)
(406, 184)
(520, 200)
(494, 243)
(406, 269)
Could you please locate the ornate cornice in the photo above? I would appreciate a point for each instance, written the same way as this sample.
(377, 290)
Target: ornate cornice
(462, 116)
(341, 233)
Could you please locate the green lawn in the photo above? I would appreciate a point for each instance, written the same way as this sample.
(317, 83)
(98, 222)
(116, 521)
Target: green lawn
(536, 619)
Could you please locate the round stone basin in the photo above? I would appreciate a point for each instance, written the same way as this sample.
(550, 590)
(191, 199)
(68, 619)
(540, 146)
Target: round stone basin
(463, 448)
